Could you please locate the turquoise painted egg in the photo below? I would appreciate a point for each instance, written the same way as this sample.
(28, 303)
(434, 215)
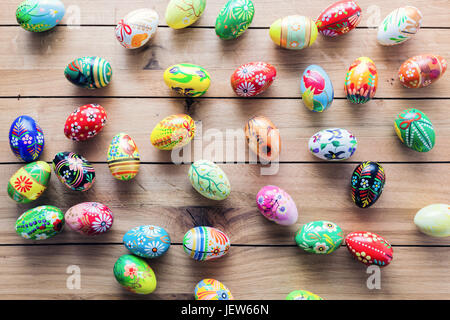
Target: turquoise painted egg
(89, 72)
(39, 15)
(40, 223)
(26, 139)
(205, 243)
(209, 180)
(320, 237)
(147, 241)
(317, 89)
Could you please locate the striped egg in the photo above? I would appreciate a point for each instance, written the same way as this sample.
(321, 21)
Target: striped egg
(29, 182)
(205, 243)
(293, 32)
(123, 157)
(89, 72)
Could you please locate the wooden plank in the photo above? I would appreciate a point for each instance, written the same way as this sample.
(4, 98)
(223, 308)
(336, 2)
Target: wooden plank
(33, 64)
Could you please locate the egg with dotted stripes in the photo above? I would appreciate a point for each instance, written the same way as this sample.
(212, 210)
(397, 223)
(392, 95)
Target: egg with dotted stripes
(415, 130)
(369, 248)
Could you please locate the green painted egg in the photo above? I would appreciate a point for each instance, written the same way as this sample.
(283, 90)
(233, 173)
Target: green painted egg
(134, 274)
(209, 180)
(234, 18)
(89, 72)
(321, 237)
(302, 295)
(415, 130)
(40, 223)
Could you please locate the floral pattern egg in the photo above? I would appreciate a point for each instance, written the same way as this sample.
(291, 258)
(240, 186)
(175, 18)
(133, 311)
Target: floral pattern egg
(173, 132)
(26, 139)
(89, 72)
(134, 274)
(361, 81)
(186, 79)
(209, 180)
(399, 26)
(421, 71)
(29, 182)
(123, 157)
(415, 130)
(369, 248)
(137, 28)
(85, 122)
(40, 223)
(367, 183)
(234, 18)
(277, 205)
(320, 237)
(89, 218)
(182, 13)
(252, 78)
(147, 241)
(293, 32)
(434, 220)
(40, 15)
(211, 289)
(74, 171)
(205, 243)
(317, 89)
(302, 295)
(263, 138)
(333, 144)
(339, 18)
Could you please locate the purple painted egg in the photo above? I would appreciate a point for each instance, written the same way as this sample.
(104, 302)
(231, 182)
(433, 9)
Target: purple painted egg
(277, 205)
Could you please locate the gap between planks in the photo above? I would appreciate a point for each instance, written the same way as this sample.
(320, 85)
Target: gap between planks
(256, 245)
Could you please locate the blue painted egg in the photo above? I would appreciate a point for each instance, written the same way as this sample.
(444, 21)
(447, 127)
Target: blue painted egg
(26, 139)
(39, 15)
(147, 241)
(317, 89)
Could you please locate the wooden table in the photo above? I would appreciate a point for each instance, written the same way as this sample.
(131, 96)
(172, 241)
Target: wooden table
(264, 262)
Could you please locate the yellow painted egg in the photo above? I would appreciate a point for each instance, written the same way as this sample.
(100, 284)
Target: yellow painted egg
(173, 132)
(123, 157)
(293, 32)
(361, 81)
(29, 182)
(434, 220)
(183, 13)
(187, 79)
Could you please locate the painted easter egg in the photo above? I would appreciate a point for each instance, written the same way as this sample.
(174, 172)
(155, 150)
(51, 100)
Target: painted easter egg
(85, 122)
(277, 205)
(209, 180)
(320, 237)
(421, 71)
(134, 274)
(399, 26)
(339, 18)
(123, 157)
(89, 218)
(302, 295)
(26, 139)
(415, 130)
(183, 13)
(434, 220)
(173, 132)
(29, 182)
(234, 18)
(74, 171)
(147, 241)
(369, 248)
(367, 183)
(137, 28)
(252, 78)
(317, 89)
(263, 138)
(211, 289)
(361, 81)
(40, 15)
(40, 223)
(205, 243)
(186, 79)
(293, 32)
(333, 144)
(89, 72)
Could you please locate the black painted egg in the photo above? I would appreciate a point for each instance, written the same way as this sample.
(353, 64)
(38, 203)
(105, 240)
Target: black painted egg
(367, 183)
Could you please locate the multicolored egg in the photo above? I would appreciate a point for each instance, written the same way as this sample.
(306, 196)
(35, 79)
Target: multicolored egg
(89, 218)
(89, 72)
(209, 180)
(40, 223)
(137, 28)
(26, 139)
(369, 248)
(263, 138)
(293, 32)
(415, 130)
(234, 18)
(186, 79)
(434, 220)
(123, 157)
(320, 237)
(211, 289)
(367, 183)
(182, 13)
(147, 241)
(302, 295)
(173, 132)
(317, 89)
(361, 81)
(85, 122)
(421, 71)
(74, 171)
(399, 26)
(252, 78)
(40, 15)
(29, 182)
(277, 205)
(134, 274)
(339, 18)
(205, 243)
(333, 144)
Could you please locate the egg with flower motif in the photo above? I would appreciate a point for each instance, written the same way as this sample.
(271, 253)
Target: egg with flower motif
(415, 130)
(209, 180)
(137, 28)
(211, 289)
(134, 274)
(333, 144)
(40, 223)
(89, 218)
(421, 71)
(320, 237)
(173, 132)
(252, 78)
(339, 18)
(205, 243)
(234, 18)
(367, 183)
(317, 89)
(302, 295)
(277, 205)
(182, 13)
(85, 122)
(26, 138)
(89, 72)
(147, 241)
(123, 157)
(40, 15)
(293, 32)
(434, 220)
(369, 248)
(263, 138)
(74, 171)
(399, 26)
(361, 81)
(29, 182)
(188, 80)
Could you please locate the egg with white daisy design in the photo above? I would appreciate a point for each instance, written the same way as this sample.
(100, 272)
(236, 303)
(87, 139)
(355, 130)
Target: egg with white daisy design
(147, 241)
(252, 78)
(85, 122)
(89, 218)
(319, 237)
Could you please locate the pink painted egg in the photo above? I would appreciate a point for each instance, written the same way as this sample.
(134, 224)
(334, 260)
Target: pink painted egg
(89, 218)
(85, 122)
(339, 18)
(277, 205)
(369, 248)
(252, 78)
(421, 71)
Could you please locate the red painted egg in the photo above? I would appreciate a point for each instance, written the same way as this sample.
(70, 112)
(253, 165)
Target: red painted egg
(85, 122)
(421, 71)
(252, 78)
(369, 248)
(339, 18)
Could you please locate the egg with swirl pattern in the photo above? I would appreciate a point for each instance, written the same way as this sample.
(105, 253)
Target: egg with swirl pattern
(89, 72)
(74, 171)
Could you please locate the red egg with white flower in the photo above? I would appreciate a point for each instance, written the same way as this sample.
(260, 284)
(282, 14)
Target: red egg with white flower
(252, 78)
(338, 18)
(85, 122)
(89, 218)
(369, 248)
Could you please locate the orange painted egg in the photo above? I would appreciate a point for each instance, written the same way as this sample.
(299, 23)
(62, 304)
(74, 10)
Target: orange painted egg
(173, 132)
(421, 71)
(263, 138)
(361, 81)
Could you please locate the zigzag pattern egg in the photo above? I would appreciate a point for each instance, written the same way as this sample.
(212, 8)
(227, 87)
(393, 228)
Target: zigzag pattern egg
(29, 182)
(123, 157)
(26, 139)
(361, 81)
(39, 15)
(89, 72)
(252, 78)
(211, 289)
(421, 71)
(74, 171)
(339, 18)
(85, 122)
(137, 28)
(40, 223)
(205, 243)
(415, 130)
(367, 183)
(369, 248)
(89, 218)
(293, 32)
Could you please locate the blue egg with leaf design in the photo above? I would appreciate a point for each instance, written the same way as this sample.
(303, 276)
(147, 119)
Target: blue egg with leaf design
(26, 139)
(147, 241)
(333, 144)
(40, 15)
